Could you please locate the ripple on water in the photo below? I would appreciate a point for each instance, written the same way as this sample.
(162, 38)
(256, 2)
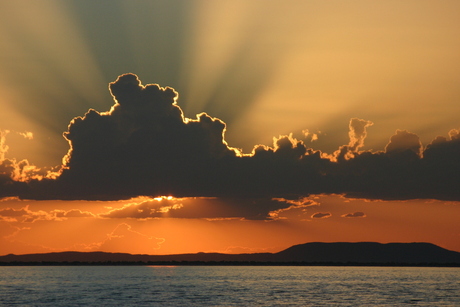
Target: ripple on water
(229, 286)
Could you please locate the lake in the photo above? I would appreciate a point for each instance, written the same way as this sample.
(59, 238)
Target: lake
(228, 286)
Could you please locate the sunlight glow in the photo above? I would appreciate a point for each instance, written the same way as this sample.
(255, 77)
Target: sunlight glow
(163, 197)
(52, 61)
(296, 69)
(54, 39)
(213, 49)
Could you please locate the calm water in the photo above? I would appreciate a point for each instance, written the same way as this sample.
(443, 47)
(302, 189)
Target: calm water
(228, 286)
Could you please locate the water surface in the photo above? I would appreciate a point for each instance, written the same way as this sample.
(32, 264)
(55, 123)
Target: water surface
(228, 286)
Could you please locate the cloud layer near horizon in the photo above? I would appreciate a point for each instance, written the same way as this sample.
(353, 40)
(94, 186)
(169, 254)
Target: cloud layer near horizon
(145, 146)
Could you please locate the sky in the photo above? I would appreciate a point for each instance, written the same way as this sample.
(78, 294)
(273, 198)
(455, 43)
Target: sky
(176, 126)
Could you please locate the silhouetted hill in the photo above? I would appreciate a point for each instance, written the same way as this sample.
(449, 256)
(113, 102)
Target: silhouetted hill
(91, 257)
(368, 252)
(362, 253)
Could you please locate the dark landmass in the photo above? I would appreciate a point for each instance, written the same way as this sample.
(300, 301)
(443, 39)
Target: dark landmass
(356, 254)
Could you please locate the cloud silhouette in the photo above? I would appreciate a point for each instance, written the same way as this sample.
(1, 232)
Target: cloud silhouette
(402, 141)
(207, 208)
(72, 213)
(321, 215)
(26, 215)
(144, 146)
(10, 212)
(355, 214)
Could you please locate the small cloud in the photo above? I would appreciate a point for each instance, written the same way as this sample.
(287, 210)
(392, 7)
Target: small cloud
(354, 214)
(402, 141)
(72, 213)
(25, 215)
(454, 134)
(296, 209)
(357, 133)
(12, 198)
(13, 171)
(14, 212)
(306, 132)
(313, 136)
(3, 147)
(321, 215)
(27, 135)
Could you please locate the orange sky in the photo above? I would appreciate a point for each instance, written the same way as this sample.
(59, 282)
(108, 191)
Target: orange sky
(302, 69)
(36, 226)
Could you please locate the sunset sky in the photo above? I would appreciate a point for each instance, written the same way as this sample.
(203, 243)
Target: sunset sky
(182, 126)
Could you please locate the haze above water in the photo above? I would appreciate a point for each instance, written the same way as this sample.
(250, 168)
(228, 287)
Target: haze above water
(228, 286)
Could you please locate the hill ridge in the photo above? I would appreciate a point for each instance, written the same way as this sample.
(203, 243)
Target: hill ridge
(312, 252)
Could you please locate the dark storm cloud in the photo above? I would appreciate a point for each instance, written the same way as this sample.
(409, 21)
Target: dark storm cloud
(145, 146)
(405, 170)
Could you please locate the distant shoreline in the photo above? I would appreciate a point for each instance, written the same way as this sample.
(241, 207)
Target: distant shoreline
(225, 263)
(308, 254)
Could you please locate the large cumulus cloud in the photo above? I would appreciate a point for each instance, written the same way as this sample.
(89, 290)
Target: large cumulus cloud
(145, 146)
